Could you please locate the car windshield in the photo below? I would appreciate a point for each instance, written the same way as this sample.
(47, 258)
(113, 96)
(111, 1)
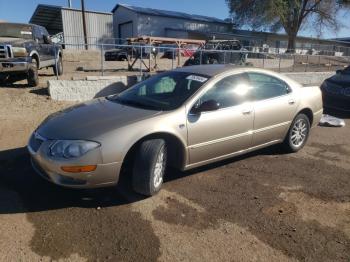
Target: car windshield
(165, 91)
(16, 31)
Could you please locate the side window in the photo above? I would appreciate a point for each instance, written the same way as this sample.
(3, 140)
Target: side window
(44, 31)
(166, 85)
(229, 91)
(37, 34)
(265, 86)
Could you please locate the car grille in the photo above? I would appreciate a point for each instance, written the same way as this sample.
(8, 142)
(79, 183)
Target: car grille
(337, 89)
(35, 141)
(5, 51)
(337, 102)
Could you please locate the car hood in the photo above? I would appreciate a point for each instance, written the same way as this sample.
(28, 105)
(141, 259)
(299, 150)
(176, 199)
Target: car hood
(340, 79)
(90, 120)
(13, 41)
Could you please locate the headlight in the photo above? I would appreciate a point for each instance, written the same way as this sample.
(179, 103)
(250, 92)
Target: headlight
(71, 148)
(19, 52)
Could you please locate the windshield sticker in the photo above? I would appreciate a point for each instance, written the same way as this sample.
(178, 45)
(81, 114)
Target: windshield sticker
(197, 78)
(26, 33)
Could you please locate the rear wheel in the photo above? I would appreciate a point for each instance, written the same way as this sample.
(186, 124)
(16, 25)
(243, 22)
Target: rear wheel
(298, 133)
(32, 75)
(3, 79)
(149, 167)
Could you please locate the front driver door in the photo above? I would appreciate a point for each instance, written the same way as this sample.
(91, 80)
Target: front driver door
(224, 131)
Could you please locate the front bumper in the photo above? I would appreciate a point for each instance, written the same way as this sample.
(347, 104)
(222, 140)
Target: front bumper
(337, 102)
(14, 66)
(50, 169)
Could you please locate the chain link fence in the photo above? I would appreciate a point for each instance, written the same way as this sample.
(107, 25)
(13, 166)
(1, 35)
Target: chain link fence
(107, 58)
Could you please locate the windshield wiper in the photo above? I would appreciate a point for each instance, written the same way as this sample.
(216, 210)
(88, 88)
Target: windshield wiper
(135, 103)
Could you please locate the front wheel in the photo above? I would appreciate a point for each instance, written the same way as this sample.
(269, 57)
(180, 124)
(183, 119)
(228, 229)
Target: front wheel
(298, 133)
(149, 167)
(32, 75)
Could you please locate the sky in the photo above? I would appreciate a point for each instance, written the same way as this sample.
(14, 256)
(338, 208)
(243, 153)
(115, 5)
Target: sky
(22, 10)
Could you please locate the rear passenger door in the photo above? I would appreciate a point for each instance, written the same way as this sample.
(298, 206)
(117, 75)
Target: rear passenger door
(274, 107)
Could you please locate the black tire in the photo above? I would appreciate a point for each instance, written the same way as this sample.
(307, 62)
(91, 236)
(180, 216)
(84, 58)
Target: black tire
(298, 134)
(213, 61)
(58, 69)
(32, 75)
(144, 178)
(3, 79)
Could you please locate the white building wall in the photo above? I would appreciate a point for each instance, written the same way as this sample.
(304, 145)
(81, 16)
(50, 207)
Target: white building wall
(121, 16)
(151, 25)
(99, 26)
(156, 25)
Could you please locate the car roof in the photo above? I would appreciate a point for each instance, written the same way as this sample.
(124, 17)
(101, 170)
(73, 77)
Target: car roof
(209, 70)
(213, 70)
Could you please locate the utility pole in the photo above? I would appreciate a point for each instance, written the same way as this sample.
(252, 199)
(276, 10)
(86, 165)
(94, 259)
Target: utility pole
(84, 24)
(69, 3)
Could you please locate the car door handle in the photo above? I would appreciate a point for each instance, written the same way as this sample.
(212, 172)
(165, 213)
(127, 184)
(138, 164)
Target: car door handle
(246, 111)
(291, 101)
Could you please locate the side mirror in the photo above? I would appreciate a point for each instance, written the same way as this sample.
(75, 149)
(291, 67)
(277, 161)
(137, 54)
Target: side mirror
(47, 39)
(206, 106)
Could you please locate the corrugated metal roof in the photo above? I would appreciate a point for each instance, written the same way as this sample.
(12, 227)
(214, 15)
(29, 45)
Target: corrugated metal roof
(165, 13)
(50, 16)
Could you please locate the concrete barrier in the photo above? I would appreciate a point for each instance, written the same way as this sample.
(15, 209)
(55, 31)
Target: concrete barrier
(99, 86)
(309, 78)
(92, 87)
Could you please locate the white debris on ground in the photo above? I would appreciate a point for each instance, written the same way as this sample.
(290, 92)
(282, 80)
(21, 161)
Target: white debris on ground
(328, 120)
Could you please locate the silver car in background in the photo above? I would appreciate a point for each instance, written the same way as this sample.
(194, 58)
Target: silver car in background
(183, 118)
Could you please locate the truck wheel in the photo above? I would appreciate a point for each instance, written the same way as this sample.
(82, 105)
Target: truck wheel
(58, 69)
(3, 79)
(149, 167)
(298, 133)
(32, 75)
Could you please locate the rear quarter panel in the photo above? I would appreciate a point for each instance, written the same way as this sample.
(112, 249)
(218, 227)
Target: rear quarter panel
(311, 97)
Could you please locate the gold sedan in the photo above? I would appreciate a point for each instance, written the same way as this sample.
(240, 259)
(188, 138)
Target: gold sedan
(183, 118)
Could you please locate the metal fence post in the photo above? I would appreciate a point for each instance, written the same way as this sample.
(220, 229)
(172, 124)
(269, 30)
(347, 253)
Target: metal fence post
(293, 62)
(200, 57)
(172, 59)
(307, 63)
(140, 62)
(263, 60)
(102, 60)
(279, 63)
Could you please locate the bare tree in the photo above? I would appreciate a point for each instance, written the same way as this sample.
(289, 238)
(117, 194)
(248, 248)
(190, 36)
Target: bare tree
(291, 15)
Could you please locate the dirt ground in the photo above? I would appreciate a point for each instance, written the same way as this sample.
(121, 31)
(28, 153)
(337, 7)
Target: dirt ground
(265, 206)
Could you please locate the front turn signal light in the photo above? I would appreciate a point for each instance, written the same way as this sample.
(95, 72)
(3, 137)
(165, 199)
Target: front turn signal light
(79, 169)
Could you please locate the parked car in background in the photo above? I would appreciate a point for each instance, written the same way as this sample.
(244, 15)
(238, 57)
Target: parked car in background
(336, 91)
(219, 52)
(118, 54)
(185, 51)
(25, 48)
(184, 118)
(131, 51)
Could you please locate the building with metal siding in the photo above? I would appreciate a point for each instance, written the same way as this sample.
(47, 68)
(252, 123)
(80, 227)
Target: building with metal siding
(69, 23)
(132, 21)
